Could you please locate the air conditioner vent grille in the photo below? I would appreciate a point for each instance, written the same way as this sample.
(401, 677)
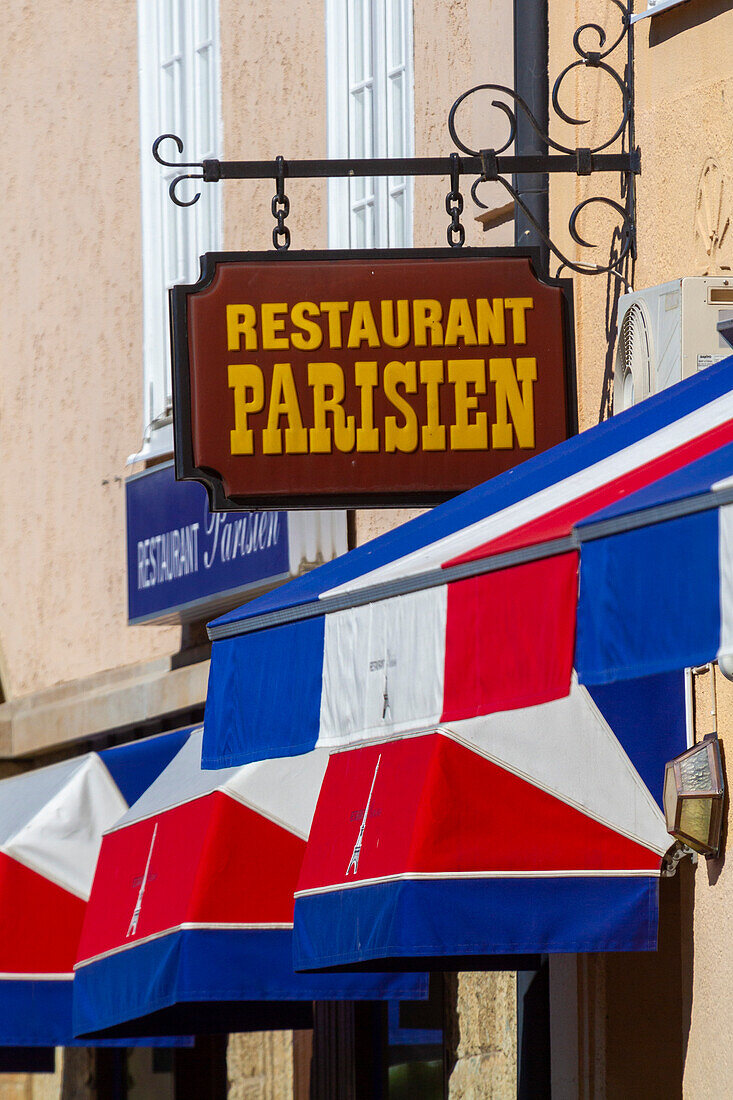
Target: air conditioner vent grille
(633, 362)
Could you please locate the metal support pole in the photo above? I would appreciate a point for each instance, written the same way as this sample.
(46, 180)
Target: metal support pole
(531, 50)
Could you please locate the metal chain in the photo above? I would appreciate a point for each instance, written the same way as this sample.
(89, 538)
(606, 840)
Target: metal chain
(280, 209)
(454, 205)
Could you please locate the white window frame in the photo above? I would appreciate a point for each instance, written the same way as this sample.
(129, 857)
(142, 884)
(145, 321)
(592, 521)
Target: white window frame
(383, 139)
(173, 238)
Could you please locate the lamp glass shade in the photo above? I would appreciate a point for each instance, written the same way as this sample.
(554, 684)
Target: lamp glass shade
(695, 814)
(693, 796)
(670, 796)
(695, 772)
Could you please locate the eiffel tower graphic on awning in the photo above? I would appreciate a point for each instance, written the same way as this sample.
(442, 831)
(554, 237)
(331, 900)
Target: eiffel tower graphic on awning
(132, 929)
(354, 861)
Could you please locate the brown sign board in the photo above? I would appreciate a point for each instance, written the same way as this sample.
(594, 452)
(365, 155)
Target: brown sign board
(354, 379)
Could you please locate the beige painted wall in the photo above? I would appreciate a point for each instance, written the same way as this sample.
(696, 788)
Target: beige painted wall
(71, 333)
(684, 85)
(70, 341)
(709, 1061)
(684, 90)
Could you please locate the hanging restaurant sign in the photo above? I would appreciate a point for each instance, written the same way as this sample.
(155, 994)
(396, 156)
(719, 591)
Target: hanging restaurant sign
(344, 379)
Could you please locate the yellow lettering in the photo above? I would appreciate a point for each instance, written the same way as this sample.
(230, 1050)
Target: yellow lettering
(403, 437)
(459, 323)
(284, 402)
(401, 337)
(362, 327)
(241, 321)
(468, 434)
(367, 436)
(518, 308)
(433, 432)
(427, 314)
(490, 321)
(333, 310)
(244, 378)
(508, 399)
(322, 377)
(300, 314)
(273, 321)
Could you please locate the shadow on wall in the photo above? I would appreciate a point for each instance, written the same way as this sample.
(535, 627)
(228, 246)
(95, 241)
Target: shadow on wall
(615, 287)
(649, 1002)
(714, 867)
(668, 24)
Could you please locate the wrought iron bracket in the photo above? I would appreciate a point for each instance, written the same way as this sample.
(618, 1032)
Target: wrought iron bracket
(486, 165)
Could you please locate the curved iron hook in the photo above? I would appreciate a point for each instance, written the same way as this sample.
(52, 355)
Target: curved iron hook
(626, 98)
(494, 103)
(580, 268)
(179, 146)
(174, 184)
(182, 164)
(621, 278)
(520, 102)
(593, 55)
(572, 224)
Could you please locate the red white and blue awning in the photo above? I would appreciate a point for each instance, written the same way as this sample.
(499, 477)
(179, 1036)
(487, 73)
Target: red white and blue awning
(51, 825)
(656, 575)
(189, 925)
(479, 801)
(537, 830)
(467, 610)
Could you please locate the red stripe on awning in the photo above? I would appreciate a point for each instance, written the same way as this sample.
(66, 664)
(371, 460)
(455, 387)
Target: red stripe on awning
(558, 523)
(510, 637)
(40, 922)
(438, 807)
(213, 860)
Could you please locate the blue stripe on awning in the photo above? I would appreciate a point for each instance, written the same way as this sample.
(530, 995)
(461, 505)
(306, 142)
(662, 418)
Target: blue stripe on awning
(219, 980)
(649, 600)
(410, 921)
(648, 718)
(135, 765)
(39, 1014)
(245, 722)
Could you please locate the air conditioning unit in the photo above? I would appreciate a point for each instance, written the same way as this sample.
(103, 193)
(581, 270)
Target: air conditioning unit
(667, 333)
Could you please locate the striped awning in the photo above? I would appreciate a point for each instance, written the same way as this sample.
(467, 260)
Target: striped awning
(480, 800)
(467, 610)
(656, 575)
(189, 924)
(537, 830)
(51, 825)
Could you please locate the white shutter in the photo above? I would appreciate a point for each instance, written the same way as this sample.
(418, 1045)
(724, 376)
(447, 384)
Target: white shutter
(179, 94)
(370, 114)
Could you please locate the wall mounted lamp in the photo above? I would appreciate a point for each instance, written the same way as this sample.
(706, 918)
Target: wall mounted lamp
(694, 790)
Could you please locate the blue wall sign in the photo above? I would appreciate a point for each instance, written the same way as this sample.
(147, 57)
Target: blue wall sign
(183, 562)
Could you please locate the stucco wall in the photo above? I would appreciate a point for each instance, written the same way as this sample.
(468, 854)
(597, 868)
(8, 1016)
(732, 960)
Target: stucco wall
(709, 1054)
(70, 341)
(684, 85)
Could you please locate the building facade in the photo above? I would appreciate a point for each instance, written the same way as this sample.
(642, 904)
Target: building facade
(92, 244)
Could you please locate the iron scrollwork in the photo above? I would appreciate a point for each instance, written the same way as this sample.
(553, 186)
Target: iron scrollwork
(493, 165)
(624, 238)
(181, 164)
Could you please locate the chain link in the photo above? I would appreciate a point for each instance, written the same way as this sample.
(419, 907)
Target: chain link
(280, 207)
(454, 206)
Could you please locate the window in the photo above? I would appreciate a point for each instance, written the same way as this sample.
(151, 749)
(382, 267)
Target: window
(179, 94)
(369, 63)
